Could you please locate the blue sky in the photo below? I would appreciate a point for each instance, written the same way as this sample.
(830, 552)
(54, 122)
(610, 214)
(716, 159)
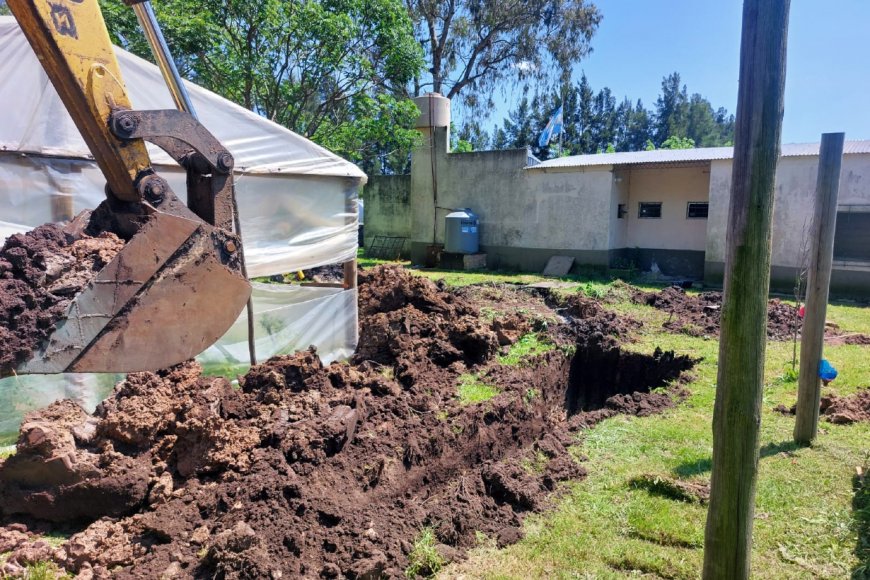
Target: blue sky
(827, 74)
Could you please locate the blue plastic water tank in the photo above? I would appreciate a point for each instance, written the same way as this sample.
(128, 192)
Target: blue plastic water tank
(462, 232)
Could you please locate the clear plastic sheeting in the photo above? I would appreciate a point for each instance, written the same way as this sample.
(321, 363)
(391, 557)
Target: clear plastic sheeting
(7, 229)
(288, 319)
(35, 120)
(297, 201)
(21, 395)
(289, 222)
(297, 204)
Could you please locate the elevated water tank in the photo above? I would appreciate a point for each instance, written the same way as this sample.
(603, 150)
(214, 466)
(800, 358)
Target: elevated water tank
(434, 110)
(462, 232)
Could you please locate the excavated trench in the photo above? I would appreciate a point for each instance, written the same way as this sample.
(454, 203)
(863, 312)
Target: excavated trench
(596, 375)
(313, 471)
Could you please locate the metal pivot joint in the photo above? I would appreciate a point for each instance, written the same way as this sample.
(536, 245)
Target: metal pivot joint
(209, 165)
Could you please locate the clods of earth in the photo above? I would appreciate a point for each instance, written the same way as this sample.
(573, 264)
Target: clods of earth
(698, 315)
(839, 410)
(40, 274)
(306, 470)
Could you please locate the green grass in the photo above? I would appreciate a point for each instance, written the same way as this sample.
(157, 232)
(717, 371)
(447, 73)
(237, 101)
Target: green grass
(227, 370)
(535, 463)
(596, 277)
(805, 524)
(471, 389)
(526, 347)
(43, 571)
(424, 559)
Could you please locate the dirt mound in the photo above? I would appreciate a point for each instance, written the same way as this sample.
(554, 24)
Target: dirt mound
(417, 328)
(40, 273)
(839, 410)
(698, 315)
(591, 322)
(313, 471)
(832, 337)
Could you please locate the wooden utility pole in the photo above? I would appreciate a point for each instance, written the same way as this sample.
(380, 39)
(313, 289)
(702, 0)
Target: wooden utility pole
(818, 283)
(737, 413)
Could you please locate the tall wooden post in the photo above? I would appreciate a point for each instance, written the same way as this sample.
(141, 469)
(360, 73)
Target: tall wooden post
(737, 412)
(818, 284)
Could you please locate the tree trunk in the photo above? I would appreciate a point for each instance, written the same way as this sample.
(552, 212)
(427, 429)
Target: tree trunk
(737, 412)
(818, 284)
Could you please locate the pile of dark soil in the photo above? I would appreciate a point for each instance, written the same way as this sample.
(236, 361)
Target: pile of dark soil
(40, 273)
(839, 410)
(313, 471)
(698, 315)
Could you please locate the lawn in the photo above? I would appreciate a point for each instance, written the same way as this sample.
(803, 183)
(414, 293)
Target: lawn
(604, 527)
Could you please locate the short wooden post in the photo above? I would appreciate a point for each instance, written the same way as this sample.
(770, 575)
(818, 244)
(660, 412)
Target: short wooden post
(350, 270)
(818, 284)
(737, 412)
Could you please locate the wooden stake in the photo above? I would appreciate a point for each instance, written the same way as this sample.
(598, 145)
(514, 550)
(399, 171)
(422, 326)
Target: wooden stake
(743, 336)
(818, 284)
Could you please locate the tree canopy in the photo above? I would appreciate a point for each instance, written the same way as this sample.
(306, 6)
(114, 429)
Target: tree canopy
(595, 122)
(335, 71)
(473, 45)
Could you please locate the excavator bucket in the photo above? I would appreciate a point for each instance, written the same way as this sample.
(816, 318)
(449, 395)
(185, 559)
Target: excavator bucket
(172, 291)
(178, 283)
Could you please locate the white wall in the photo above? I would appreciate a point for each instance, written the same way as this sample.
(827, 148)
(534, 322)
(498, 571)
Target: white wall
(518, 209)
(717, 220)
(571, 209)
(793, 202)
(619, 196)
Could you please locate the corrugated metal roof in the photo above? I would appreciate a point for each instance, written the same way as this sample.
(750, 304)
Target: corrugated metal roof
(685, 155)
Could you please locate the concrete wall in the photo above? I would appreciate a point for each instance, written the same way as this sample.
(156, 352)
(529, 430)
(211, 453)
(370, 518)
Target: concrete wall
(526, 217)
(619, 195)
(530, 215)
(388, 207)
(793, 208)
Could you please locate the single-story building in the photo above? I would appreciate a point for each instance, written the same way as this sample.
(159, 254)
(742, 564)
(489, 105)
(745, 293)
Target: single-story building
(662, 207)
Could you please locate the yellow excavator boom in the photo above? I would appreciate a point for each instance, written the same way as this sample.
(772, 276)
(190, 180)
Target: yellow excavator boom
(178, 283)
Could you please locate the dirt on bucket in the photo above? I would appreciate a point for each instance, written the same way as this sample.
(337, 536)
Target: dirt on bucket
(41, 272)
(324, 471)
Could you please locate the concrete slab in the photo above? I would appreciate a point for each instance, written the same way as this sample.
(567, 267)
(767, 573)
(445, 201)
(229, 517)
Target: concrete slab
(454, 261)
(558, 266)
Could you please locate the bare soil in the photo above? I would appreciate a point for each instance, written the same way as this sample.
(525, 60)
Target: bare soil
(698, 315)
(40, 273)
(839, 410)
(313, 471)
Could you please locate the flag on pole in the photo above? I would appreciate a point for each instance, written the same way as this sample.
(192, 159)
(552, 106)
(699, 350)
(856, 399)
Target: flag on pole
(553, 128)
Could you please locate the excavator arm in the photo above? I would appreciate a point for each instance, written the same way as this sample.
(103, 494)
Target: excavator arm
(178, 283)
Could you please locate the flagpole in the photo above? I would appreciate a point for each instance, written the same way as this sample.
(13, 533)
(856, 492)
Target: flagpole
(562, 106)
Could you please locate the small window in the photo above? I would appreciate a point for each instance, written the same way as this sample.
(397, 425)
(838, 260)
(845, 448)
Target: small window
(852, 236)
(649, 209)
(621, 211)
(697, 209)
